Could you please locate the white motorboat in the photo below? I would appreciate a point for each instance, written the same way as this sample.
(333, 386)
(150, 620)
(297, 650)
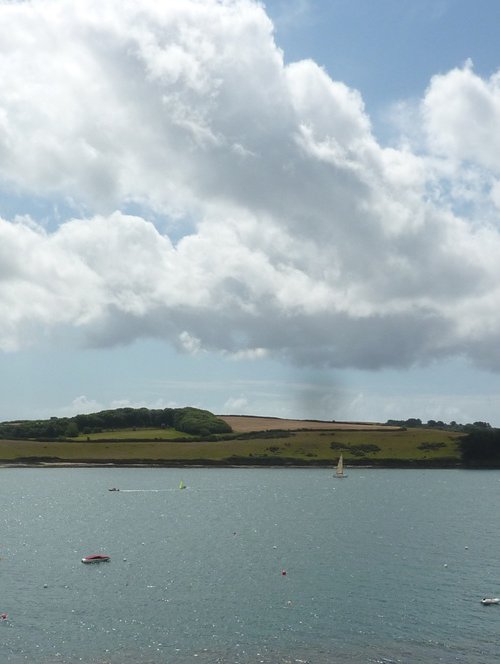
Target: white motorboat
(487, 601)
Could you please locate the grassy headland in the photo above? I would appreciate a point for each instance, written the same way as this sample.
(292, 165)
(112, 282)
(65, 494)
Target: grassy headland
(253, 441)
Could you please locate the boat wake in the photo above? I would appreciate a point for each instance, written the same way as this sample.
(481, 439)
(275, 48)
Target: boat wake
(145, 490)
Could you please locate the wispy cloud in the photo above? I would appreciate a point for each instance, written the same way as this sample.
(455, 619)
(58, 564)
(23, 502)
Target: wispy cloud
(289, 14)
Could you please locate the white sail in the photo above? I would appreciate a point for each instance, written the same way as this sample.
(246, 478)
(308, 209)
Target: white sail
(339, 472)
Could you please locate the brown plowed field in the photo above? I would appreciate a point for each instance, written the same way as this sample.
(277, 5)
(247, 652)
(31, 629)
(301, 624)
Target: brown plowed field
(242, 423)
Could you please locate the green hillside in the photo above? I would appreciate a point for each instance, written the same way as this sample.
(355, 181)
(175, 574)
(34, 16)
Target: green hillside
(191, 436)
(417, 447)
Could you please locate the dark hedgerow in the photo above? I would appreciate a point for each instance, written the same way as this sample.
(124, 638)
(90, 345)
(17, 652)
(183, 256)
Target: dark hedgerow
(356, 450)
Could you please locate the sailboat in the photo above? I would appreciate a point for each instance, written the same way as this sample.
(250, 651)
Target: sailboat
(339, 471)
(182, 485)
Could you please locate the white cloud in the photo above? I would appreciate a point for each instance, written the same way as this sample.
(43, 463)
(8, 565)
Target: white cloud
(236, 405)
(190, 344)
(308, 240)
(250, 354)
(79, 406)
(462, 117)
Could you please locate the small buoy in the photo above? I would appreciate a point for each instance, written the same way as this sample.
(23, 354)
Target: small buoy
(445, 565)
(45, 585)
(283, 572)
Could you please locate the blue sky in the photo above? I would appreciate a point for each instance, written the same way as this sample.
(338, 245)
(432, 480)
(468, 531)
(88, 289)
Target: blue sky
(389, 50)
(290, 210)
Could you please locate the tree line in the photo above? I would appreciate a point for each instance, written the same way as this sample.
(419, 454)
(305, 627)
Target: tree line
(415, 422)
(481, 448)
(189, 420)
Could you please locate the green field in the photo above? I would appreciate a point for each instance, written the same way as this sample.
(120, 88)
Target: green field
(404, 447)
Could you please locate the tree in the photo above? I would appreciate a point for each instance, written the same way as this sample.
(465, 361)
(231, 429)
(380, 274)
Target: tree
(481, 447)
(72, 430)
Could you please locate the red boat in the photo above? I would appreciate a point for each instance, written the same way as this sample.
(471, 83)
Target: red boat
(96, 559)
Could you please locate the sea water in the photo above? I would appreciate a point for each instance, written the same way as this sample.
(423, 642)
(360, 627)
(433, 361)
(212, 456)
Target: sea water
(248, 565)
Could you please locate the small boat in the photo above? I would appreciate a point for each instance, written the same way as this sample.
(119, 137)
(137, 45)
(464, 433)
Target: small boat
(114, 489)
(487, 601)
(339, 470)
(96, 559)
(182, 485)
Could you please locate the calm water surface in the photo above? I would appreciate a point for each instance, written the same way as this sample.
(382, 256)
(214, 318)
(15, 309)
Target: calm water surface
(384, 566)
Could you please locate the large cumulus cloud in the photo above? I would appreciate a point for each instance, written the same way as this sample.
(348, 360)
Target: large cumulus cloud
(281, 226)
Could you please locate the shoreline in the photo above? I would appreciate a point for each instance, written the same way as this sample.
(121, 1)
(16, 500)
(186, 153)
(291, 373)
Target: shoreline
(416, 465)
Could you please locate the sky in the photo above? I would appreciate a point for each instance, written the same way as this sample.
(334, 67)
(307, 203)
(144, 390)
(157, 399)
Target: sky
(288, 208)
